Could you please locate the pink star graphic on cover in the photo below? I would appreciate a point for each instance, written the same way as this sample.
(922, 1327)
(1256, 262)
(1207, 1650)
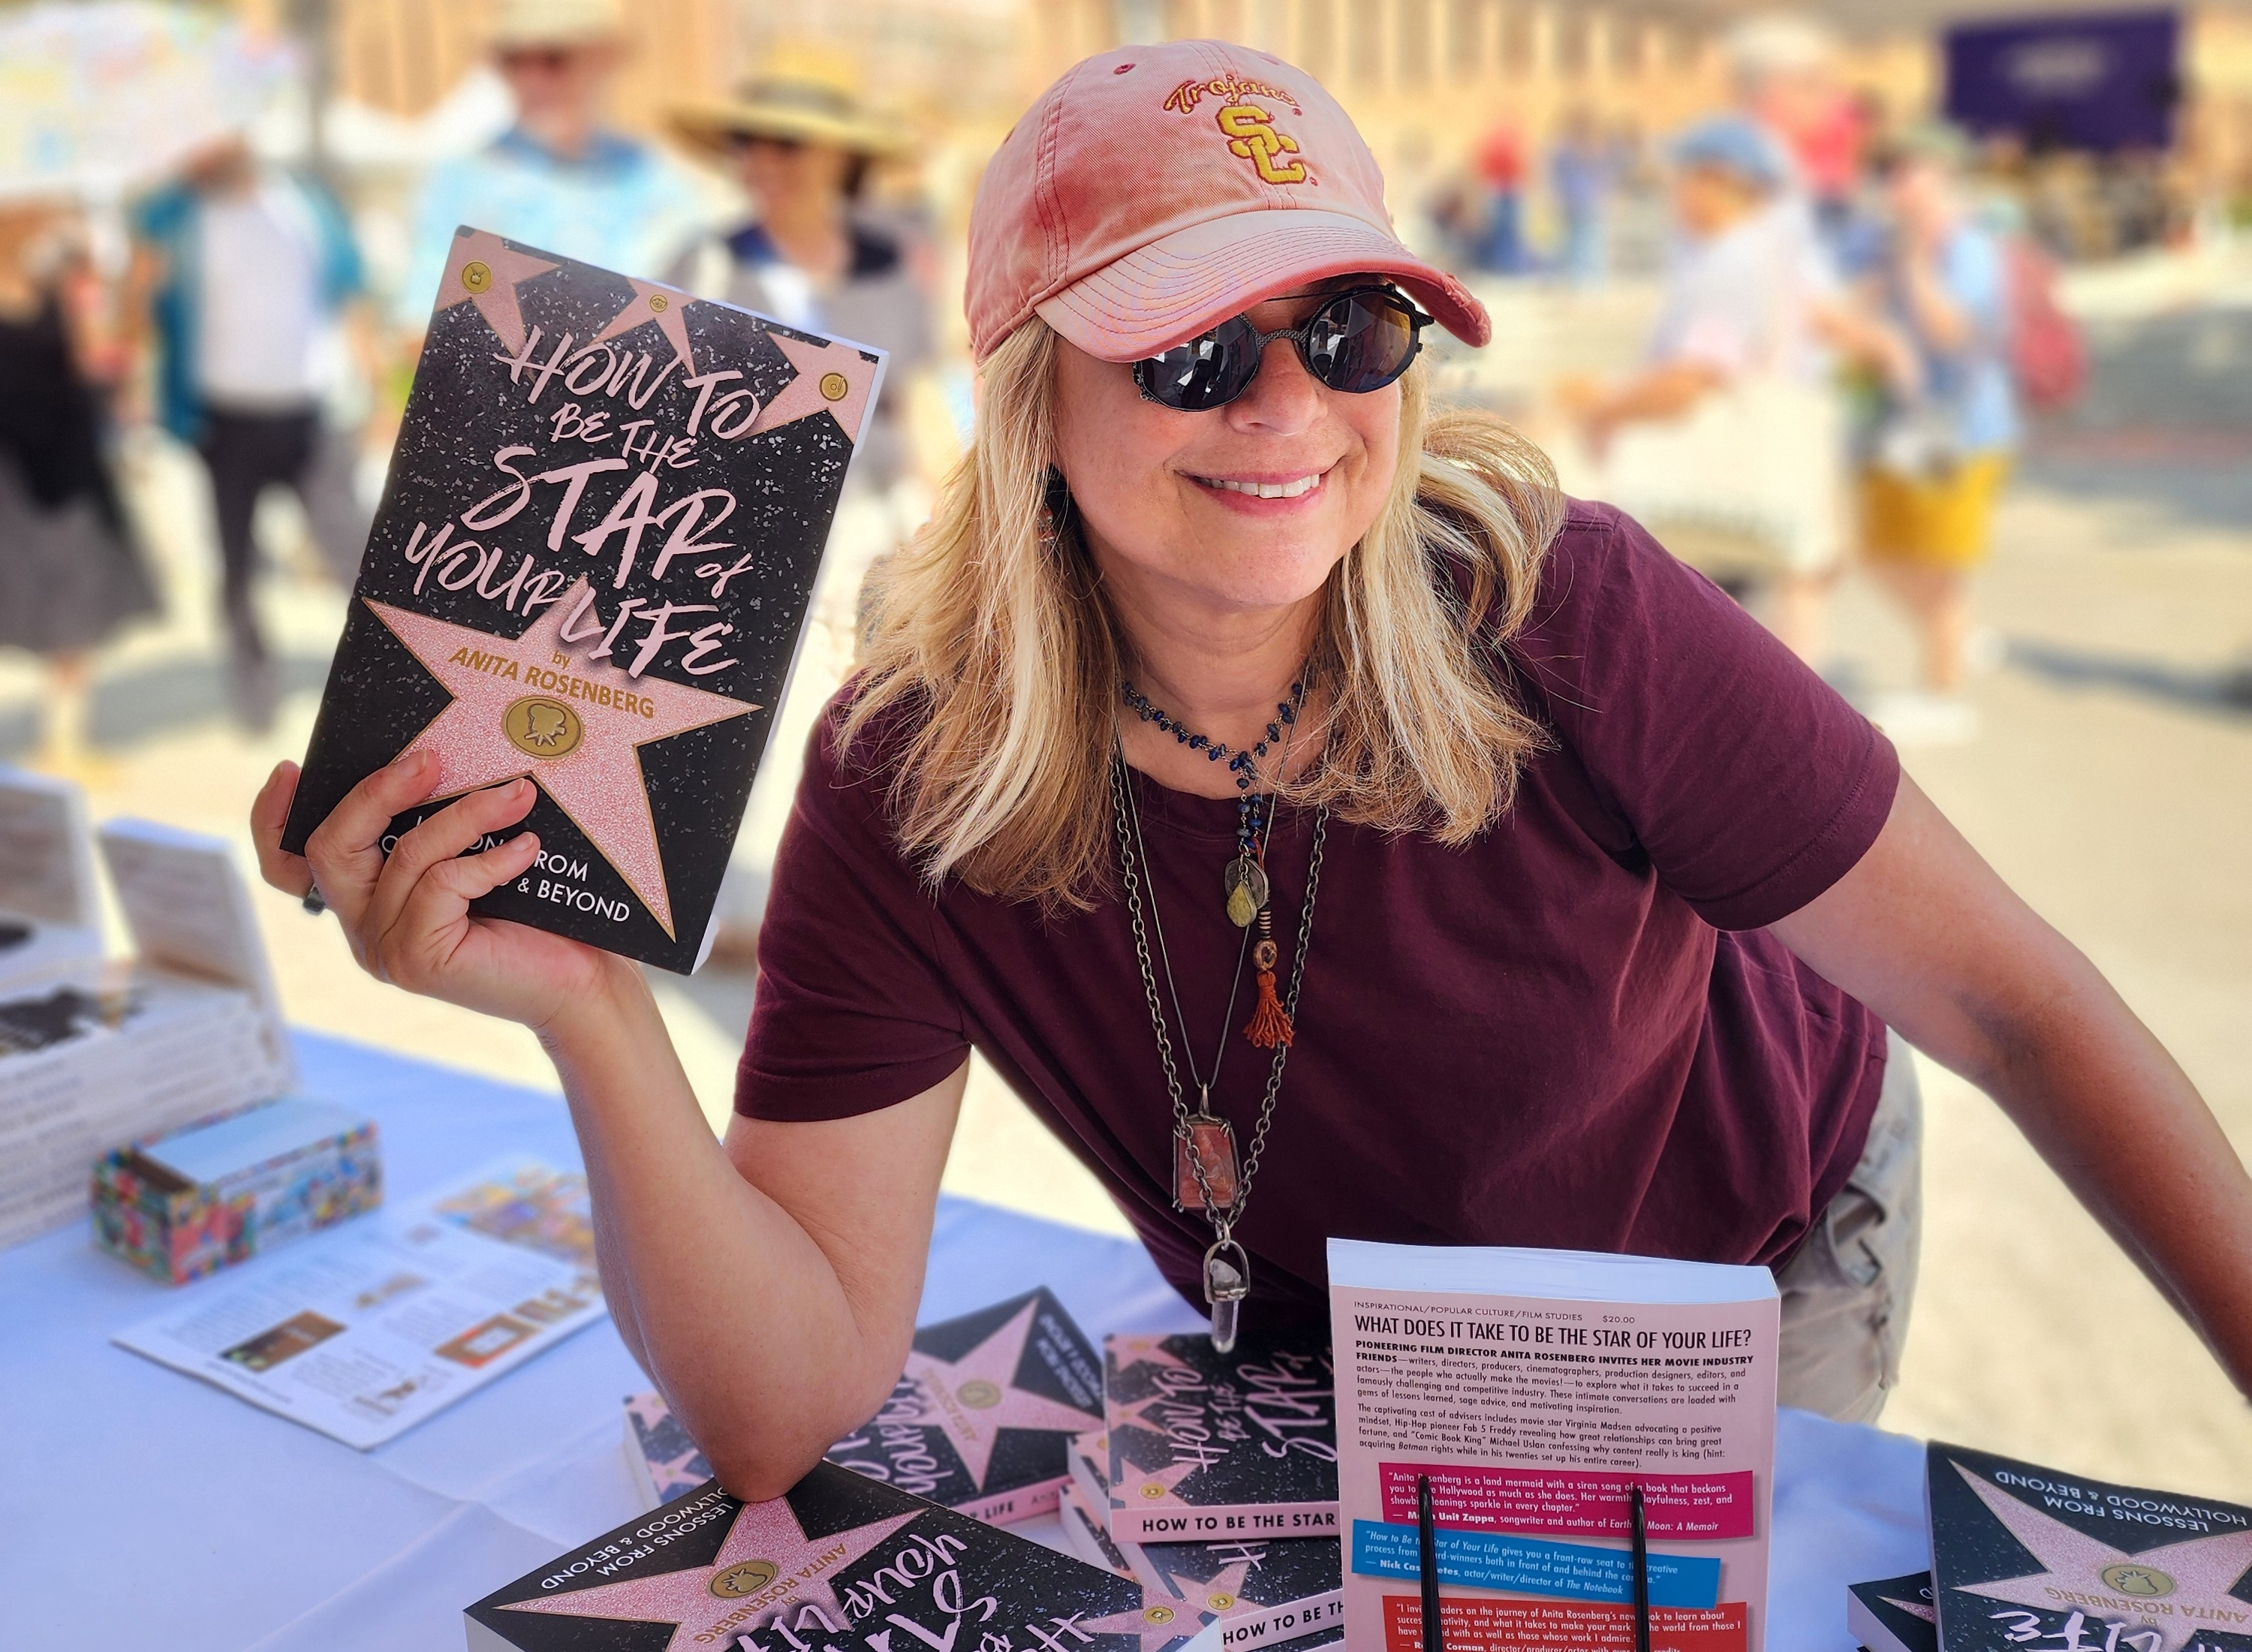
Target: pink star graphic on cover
(765, 1562)
(1222, 1595)
(976, 1397)
(575, 723)
(666, 306)
(482, 269)
(2188, 1583)
(831, 378)
(1158, 1622)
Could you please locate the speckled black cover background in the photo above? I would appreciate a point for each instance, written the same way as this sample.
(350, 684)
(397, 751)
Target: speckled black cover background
(1058, 1363)
(1969, 1545)
(1248, 1476)
(463, 409)
(1288, 1569)
(1028, 1583)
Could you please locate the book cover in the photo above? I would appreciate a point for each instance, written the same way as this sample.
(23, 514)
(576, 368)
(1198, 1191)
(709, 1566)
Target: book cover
(50, 907)
(590, 567)
(1534, 1389)
(1206, 1445)
(839, 1563)
(981, 1420)
(666, 1462)
(1893, 1614)
(2026, 1557)
(1090, 1471)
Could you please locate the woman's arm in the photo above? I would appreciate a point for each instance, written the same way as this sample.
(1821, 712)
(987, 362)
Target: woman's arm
(1925, 934)
(768, 1286)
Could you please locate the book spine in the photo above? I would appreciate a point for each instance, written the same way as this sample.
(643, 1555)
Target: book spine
(1020, 1502)
(1260, 1626)
(1178, 1524)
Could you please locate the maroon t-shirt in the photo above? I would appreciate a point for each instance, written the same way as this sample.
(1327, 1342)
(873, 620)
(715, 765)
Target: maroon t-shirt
(1574, 1032)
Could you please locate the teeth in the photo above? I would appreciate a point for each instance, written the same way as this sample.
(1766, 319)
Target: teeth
(1265, 489)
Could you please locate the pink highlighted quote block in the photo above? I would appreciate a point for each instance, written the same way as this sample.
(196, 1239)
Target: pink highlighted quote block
(1685, 1508)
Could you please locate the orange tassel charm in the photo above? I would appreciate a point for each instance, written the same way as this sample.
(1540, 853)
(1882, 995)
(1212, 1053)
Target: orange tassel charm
(1270, 1024)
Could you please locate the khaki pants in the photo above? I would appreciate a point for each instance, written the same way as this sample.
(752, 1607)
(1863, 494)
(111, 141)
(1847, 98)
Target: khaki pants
(1847, 1293)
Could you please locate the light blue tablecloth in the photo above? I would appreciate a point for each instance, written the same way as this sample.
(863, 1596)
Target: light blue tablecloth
(138, 1505)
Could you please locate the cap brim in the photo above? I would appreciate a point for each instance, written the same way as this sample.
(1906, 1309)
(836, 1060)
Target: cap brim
(1168, 292)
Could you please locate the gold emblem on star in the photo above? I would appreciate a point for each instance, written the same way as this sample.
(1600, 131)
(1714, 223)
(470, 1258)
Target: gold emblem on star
(2146, 1583)
(1153, 1491)
(835, 387)
(978, 1394)
(541, 727)
(1220, 1600)
(1159, 1614)
(658, 303)
(475, 276)
(744, 1577)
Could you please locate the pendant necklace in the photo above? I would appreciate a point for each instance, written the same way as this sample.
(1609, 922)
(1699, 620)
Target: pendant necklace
(1206, 1175)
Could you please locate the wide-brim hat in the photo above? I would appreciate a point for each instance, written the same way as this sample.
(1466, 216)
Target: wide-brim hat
(556, 23)
(802, 96)
(1155, 190)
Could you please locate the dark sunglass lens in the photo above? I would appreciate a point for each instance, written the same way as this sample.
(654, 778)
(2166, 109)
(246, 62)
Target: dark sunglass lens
(1361, 341)
(1206, 372)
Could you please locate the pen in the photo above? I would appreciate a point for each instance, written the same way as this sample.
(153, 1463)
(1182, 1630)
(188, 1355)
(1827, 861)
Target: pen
(1641, 1535)
(1427, 1538)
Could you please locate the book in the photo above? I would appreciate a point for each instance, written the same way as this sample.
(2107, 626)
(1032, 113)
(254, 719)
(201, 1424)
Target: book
(49, 908)
(1534, 1389)
(364, 1332)
(840, 1561)
(1206, 1445)
(191, 1202)
(1267, 1591)
(981, 1420)
(1893, 1614)
(2026, 1557)
(102, 1054)
(590, 567)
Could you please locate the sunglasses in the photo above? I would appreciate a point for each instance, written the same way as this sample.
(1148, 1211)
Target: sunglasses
(1358, 341)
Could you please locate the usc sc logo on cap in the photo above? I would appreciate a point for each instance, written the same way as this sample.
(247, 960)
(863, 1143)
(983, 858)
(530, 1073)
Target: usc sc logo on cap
(1250, 130)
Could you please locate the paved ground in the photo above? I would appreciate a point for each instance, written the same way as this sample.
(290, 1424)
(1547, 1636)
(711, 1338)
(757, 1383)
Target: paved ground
(2111, 785)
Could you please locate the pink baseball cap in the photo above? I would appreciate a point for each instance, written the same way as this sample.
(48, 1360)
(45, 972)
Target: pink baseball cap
(1155, 190)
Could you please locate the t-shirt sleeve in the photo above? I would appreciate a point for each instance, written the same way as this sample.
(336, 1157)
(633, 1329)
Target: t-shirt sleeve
(1749, 783)
(852, 1014)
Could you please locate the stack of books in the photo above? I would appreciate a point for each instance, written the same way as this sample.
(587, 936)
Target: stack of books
(93, 1056)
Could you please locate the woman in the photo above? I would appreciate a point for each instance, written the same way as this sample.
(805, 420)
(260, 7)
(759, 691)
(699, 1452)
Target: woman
(802, 146)
(1939, 456)
(69, 572)
(1519, 792)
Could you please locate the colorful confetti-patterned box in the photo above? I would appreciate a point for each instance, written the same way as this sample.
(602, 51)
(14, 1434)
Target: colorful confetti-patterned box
(182, 1205)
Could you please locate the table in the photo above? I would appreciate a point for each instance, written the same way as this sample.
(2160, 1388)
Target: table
(140, 1503)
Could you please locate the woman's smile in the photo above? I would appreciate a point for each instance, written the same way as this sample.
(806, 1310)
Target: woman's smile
(1266, 492)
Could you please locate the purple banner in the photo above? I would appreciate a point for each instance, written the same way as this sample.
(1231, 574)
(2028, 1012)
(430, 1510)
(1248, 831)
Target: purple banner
(2104, 80)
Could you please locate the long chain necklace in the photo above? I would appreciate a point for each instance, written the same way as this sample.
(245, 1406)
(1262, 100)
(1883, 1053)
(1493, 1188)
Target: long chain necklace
(1206, 1173)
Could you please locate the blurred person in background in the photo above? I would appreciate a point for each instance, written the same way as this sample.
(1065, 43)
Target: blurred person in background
(1498, 165)
(802, 143)
(1939, 447)
(558, 179)
(1584, 166)
(1783, 72)
(1729, 440)
(70, 572)
(249, 277)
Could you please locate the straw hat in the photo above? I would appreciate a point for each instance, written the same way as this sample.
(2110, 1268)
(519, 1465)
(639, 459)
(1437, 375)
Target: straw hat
(556, 23)
(805, 94)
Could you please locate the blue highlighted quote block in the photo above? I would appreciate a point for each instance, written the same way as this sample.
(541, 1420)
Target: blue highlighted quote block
(1535, 1566)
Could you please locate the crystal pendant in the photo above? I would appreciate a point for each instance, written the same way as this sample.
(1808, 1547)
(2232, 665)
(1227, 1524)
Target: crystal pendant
(1226, 1282)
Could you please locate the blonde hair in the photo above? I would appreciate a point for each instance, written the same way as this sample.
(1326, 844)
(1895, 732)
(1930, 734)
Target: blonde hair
(990, 644)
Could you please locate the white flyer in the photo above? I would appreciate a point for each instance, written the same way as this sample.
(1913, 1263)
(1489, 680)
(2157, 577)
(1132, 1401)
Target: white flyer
(364, 1332)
